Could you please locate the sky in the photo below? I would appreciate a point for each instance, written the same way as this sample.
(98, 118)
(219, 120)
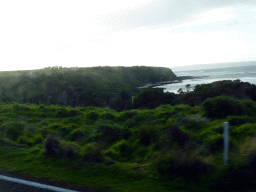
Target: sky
(166, 33)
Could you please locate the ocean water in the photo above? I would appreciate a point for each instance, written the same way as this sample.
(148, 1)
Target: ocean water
(246, 72)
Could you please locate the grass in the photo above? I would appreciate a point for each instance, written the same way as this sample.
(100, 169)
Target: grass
(112, 178)
(77, 146)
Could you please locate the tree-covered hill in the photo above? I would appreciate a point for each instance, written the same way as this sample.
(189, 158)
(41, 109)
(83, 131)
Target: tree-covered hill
(95, 86)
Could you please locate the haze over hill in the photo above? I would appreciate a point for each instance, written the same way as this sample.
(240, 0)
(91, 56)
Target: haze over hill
(213, 66)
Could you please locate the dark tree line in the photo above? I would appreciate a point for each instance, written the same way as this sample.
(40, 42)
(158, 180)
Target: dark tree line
(152, 98)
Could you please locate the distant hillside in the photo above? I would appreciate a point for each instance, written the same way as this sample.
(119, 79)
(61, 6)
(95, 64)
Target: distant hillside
(95, 86)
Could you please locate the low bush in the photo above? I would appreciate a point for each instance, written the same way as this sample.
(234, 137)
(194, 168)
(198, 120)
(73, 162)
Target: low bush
(229, 178)
(109, 134)
(180, 163)
(250, 107)
(55, 126)
(194, 125)
(76, 134)
(240, 173)
(31, 141)
(21, 109)
(147, 134)
(221, 107)
(62, 113)
(215, 143)
(125, 115)
(37, 139)
(52, 147)
(176, 135)
(71, 150)
(92, 115)
(73, 113)
(107, 116)
(239, 120)
(57, 149)
(243, 131)
(120, 151)
(91, 153)
(14, 130)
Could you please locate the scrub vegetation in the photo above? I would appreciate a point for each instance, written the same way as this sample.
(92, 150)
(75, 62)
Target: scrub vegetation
(163, 144)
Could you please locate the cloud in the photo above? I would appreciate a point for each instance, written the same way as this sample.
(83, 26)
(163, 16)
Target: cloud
(161, 12)
(244, 15)
(135, 32)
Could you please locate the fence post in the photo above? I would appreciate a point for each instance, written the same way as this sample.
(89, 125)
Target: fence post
(226, 142)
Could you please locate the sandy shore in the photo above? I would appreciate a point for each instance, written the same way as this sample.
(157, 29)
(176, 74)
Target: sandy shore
(174, 80)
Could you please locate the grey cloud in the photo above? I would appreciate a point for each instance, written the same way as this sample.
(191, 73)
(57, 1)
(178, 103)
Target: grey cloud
(246, 15)
(172, 12)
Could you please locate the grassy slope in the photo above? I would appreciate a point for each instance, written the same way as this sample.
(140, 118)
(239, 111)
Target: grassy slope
(35, 122)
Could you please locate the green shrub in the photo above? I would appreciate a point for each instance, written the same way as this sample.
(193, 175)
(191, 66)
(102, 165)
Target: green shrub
(125, 115)
(91, 153)
(21, 109)
(36, 150)
(25, 141)
(5, 141)
(229, 178)
(243, 131)
(44, 131)
(250, 107)
(195, 125)
(152, 98)
(221, 107)
(141, 153)
(64, 130)
(147, 134)
(14, 130)
(52, 147)
(92, 115)
(73, 113)
(107, 116)
(57, 149)
(55, 126)
(37, 139)
(216, 143)
(176, 135)
(41, 107)
(120, 151)
(165, 114)
(76, 134)
(239, 120)
(62, 113)
(241, 169)
(71, 150)
(182, 108)
(181, 164)
(110, 134)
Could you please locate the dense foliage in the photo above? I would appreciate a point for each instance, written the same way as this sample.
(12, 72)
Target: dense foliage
(235, 89)
(95, 86)
(223, 90)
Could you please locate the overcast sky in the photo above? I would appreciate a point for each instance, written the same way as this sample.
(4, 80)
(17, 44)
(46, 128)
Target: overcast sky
(40, 33)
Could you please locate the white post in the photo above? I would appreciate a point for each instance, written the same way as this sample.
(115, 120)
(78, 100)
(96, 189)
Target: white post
(226, 142)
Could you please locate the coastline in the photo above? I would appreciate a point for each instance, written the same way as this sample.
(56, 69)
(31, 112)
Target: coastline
(174, 80)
